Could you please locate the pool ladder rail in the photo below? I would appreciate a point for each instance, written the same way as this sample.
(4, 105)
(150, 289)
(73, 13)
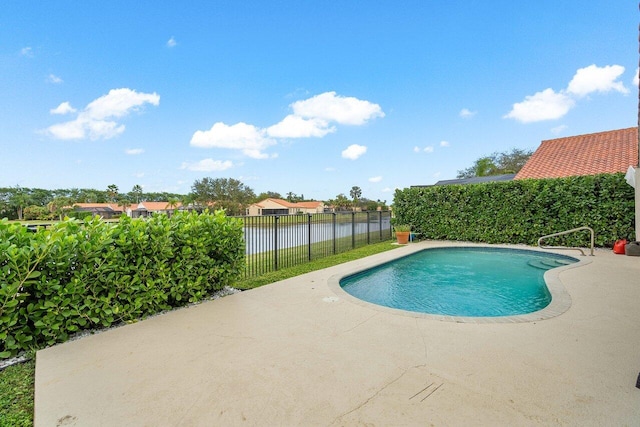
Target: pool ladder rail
(573, 230)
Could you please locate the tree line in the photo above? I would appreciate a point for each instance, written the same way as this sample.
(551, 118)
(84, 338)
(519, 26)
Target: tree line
(216, 193)
(38, 203)
(507, 162)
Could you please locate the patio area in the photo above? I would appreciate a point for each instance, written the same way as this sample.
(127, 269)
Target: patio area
(301, 352)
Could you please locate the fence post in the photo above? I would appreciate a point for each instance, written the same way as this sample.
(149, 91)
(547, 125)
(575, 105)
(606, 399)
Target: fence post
(368, 229)
(334, 232)
(380, 223)
(353, 230)
(275, 242)
(309, 236)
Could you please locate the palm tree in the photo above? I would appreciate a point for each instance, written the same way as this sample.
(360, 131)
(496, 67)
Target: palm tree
(60, 205)
(112, 193)
(19, 199)
(172, 204)
(124, 203)
(355, 193)
(341, 202)
(136, 192)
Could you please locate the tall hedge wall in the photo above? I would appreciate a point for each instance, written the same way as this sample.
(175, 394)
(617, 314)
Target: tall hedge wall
(521, 211)
(79, 275)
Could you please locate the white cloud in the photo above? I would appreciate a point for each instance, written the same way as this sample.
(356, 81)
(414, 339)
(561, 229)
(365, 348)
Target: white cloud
(208, 165)
(251, 140)
(597, 79)
(245, 178)
(427, 149)
(444, 143)
(354, 151)
(64, 108)
(26, 51)
(171, 42)
(636, 80)
(375, 179)
(294, 126)
(119, 103)
(545, 105)
(96, 121)
(329, 169)
(74, 129)
(134, 151)
(313, 117)
(386, 190)
(467, 114)
(297, 93)
(340, 109)
(551, 105)
(52, 78)
(558, 129)
(139, 175)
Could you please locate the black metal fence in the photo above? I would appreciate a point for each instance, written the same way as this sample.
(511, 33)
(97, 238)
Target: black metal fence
(281, 241)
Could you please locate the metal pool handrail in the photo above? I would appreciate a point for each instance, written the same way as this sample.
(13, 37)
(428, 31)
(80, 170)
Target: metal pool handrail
(567, 232)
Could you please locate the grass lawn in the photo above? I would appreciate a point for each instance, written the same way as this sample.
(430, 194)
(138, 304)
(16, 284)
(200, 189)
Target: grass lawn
(16, 395)
(261, 264)
(318, 264)
(17, 381)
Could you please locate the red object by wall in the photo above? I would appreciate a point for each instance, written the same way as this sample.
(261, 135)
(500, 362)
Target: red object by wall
(618, 246)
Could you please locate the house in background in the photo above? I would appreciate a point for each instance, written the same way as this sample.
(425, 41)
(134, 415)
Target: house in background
(136, 210)
(472, 180)
(104, 210)
(603, 152)
(145, 209)
(282, 207)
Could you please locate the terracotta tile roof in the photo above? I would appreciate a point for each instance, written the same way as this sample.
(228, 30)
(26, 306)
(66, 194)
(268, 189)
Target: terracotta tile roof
(155, 206)
(280, 202)
(112, 206)
(149, 206)
(603, 152)
(307, 205)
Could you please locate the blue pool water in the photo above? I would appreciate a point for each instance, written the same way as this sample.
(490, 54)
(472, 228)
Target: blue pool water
(460, 281)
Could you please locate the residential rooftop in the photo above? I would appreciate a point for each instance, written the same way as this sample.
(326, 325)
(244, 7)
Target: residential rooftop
(595, 153)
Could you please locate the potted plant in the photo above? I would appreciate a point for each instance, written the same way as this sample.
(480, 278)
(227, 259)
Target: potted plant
(403, 231)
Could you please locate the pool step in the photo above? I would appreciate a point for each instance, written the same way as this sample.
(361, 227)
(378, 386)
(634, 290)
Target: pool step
(547, 264)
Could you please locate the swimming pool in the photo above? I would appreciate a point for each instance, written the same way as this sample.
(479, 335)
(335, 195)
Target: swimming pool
(460, 281)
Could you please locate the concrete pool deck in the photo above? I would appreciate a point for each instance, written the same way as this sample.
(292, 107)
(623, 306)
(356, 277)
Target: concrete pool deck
(301, 352)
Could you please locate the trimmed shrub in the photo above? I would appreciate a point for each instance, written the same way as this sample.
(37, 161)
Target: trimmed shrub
(522, 211)
(79, 275)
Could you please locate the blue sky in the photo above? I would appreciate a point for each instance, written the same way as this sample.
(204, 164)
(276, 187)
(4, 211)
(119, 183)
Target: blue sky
(301, 96)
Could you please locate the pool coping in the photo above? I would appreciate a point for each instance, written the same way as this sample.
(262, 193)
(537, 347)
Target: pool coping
(560, 297)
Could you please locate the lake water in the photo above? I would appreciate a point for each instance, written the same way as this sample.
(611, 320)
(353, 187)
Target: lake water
(263, 239)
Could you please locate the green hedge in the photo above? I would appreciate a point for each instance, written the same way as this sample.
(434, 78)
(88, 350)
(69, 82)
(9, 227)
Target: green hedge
(80, 275)
(522, 211)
